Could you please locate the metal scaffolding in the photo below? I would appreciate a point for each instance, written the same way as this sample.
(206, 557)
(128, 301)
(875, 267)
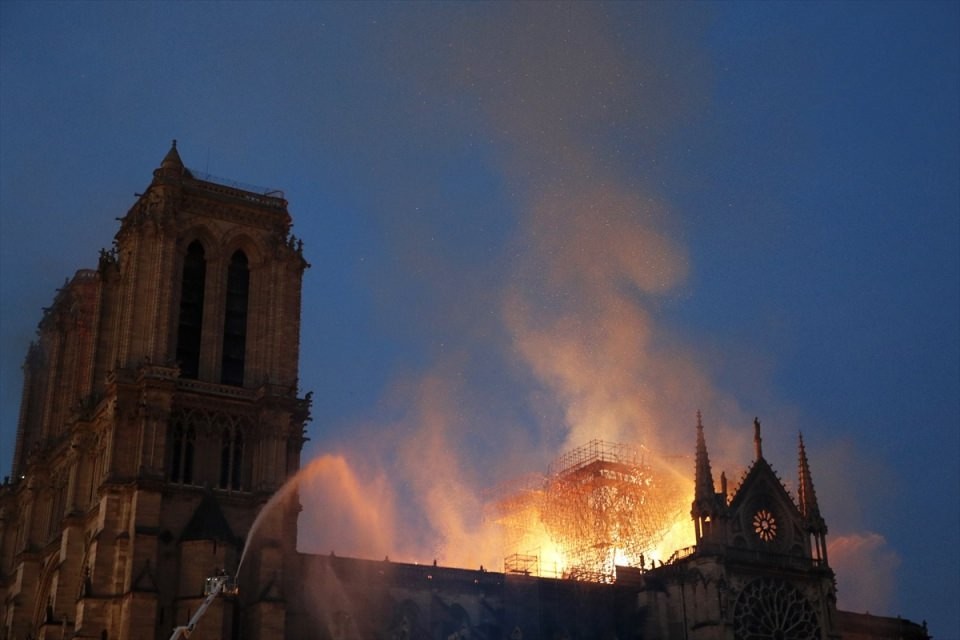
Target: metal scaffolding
(601, 504)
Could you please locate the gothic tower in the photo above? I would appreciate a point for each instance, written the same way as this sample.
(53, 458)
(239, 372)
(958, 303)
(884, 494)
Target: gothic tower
(160, 411)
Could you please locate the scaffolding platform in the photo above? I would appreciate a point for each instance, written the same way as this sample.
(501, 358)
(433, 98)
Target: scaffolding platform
(522, 564)
(601, 504)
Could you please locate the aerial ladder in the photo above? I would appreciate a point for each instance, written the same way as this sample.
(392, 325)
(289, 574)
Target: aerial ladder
(220, 584)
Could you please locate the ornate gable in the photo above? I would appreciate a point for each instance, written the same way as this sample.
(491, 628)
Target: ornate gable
(763, 515)
(756, 548)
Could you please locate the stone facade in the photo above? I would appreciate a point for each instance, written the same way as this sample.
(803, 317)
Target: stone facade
(160, 413)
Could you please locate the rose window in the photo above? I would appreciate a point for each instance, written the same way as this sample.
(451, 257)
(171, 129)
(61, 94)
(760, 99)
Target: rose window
(769, 609)
(765, 525)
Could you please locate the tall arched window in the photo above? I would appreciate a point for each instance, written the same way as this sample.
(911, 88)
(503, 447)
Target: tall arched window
(235, 320)
(237, 462)
(181, 459)
(58, 500)
(191, 311)
(183, 444)
(231, 458)
(188, 447)
(176, 456)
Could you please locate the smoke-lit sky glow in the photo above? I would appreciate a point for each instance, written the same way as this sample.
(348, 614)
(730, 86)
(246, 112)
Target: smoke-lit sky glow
(531, 225)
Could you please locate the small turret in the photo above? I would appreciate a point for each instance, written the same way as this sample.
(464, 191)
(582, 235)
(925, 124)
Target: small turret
(171, 166)
(172, 159)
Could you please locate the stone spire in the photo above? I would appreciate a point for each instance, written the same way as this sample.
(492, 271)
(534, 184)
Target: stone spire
(806, 494)
(707, 505)
(757, 440)
(703, 479)
(807, 497)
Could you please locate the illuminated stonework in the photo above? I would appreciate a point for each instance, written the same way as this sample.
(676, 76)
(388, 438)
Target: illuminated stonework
(771, 609)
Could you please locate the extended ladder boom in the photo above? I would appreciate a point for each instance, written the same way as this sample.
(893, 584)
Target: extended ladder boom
(214, 587)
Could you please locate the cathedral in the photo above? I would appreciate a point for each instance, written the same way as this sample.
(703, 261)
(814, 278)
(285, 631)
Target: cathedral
(160, 414)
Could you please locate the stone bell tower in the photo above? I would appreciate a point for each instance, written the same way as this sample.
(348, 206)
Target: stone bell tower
(160, 412)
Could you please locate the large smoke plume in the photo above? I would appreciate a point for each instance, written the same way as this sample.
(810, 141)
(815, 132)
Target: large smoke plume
(567, 312)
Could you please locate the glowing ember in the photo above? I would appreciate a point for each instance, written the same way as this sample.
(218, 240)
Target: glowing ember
(599, 506)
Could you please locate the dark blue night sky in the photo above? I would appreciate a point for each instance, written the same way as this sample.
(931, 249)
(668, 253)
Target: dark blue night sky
(535, 224)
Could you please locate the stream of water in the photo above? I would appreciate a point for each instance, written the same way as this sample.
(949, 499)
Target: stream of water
(282, 493)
